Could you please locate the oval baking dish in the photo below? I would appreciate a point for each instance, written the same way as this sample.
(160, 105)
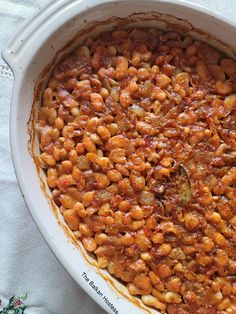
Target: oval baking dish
(31, 54)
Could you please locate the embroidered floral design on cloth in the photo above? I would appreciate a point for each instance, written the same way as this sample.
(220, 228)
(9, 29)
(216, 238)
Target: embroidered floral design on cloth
(15, 305)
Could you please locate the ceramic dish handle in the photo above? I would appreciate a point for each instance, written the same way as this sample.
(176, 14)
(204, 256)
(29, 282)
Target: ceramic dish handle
(21, 41)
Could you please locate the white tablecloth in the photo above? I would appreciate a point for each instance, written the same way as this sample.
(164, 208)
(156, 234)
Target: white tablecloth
(26, 263)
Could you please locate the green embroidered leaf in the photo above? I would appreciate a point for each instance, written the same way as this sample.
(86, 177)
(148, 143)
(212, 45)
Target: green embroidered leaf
(19, 310)
(23, 296)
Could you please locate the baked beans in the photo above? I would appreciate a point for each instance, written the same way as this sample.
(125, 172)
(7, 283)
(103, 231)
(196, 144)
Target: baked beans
(137, 134)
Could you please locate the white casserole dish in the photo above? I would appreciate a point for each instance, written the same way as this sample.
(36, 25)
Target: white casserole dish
(28, 53)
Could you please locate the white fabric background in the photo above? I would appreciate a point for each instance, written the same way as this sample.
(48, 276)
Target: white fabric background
(26, 262)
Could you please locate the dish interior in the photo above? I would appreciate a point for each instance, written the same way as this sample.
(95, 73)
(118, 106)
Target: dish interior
(178, 175)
